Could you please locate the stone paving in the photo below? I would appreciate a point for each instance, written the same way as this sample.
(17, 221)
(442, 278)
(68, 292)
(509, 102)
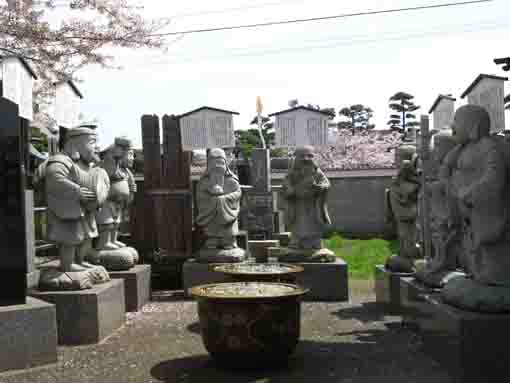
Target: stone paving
(340, 342)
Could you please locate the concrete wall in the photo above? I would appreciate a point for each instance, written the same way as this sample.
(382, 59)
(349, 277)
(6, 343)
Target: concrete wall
(356, 201)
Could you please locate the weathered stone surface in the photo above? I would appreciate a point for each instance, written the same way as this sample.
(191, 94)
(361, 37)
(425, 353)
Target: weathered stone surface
(387, 289)
(28, 335)
(87, 316)
(195, 274)
(326, 281)
(137, 285)
(292, 255)
(258, 249)
(473, 347)
(305, 190)
(218, 201)
(479, 186)
(412, 301)
(402, 209)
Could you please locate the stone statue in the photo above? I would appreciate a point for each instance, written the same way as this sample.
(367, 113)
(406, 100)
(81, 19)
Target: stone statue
(74, 191)
(305, 189)
(218, 200)
(444, 218)
(110, 252)
(479, 185)
(402, 209)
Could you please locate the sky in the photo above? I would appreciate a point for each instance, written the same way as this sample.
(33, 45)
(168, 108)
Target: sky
(332, 63)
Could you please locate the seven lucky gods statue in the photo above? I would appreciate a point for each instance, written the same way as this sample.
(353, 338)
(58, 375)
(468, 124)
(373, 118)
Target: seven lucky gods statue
(75, 191)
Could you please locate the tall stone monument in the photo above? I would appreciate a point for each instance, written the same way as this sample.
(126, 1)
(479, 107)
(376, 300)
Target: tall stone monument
(28, 326)
(218, 200)
(306, 189)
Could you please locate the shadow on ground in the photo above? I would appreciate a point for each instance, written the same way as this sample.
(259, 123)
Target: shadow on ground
(315, 361)
(365, 312)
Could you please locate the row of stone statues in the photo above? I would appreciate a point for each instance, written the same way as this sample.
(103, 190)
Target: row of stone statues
(305, 189)
(469, 192)
(87, 194)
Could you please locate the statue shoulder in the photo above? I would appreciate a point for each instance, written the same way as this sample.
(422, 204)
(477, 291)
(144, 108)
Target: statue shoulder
(60, 158)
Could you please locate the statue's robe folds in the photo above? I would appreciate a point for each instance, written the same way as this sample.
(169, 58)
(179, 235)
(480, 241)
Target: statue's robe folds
(118, 198)
(217, 214)
(70, 222)
(307, 214)
(480, 186)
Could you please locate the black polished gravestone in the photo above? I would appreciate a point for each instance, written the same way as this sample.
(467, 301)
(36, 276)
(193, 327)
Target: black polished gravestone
(13, 260)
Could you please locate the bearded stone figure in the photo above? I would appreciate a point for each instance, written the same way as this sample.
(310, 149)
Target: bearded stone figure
(444, 218)
(479, 185)
(218, 200)
(402, 209)
(110, 252)
(74, 191)
(305, 189)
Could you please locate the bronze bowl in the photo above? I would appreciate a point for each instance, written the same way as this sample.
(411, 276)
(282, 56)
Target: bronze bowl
(260, 272)
(248, 324)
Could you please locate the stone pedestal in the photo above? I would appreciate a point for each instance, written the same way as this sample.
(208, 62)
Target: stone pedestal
(472, 346)
(87, 316)
(258, 249)
(137, 286)
(283, 237)
(195, 273)
(28, 335)
(327, 282)
(413, 305)
(242, 240)
(387, 289)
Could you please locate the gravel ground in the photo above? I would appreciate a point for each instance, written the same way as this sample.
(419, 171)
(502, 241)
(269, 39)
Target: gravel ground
(340, 342)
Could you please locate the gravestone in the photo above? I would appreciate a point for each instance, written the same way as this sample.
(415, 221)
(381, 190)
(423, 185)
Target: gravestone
(488, 91)
(28, 333)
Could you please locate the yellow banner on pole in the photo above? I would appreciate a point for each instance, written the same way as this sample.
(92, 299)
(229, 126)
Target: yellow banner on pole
(259, 105)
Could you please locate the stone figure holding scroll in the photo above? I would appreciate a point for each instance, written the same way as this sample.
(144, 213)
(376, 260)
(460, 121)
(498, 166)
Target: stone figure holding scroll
(110, 252)
(305, 189)
(402, 209)
(480, 186)
(218, 200)
(74, 191)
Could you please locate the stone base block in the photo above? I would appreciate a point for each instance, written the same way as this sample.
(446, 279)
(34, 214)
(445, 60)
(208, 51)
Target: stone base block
(195, 274)
(472, 346)
(258, 249)
(87, 316)
(137, 285)
(387, 289)
(326, 281)
(28, 335)
(413, 305)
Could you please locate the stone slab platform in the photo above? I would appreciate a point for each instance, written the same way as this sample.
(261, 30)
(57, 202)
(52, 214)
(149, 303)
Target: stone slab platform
(472, 346)
(195, 274)
(137, 285)
(413, 305)
(328, 282)
(28, 335)
(87, 316)
(387, 289)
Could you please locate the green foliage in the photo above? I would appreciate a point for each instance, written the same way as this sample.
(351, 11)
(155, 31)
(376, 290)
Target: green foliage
(40, 141)
(401, 103)
(361, 254)
(358, 117)
(249, 139)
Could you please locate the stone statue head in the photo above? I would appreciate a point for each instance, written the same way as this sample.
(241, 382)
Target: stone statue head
(304, 158)
(126, 152)
(405, 154)
(217, 161)
(442, 142)
(471, 123)
(81, 143)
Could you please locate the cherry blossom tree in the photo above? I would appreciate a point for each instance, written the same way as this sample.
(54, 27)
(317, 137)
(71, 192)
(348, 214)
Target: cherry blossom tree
(366, 150)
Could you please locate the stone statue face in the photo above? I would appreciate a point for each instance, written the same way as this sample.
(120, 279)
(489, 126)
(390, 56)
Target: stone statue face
(86, 145)
(471, 122)
(217, 162)
(305, 158)
(404, 153)
(128, 159)
(443, 143)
